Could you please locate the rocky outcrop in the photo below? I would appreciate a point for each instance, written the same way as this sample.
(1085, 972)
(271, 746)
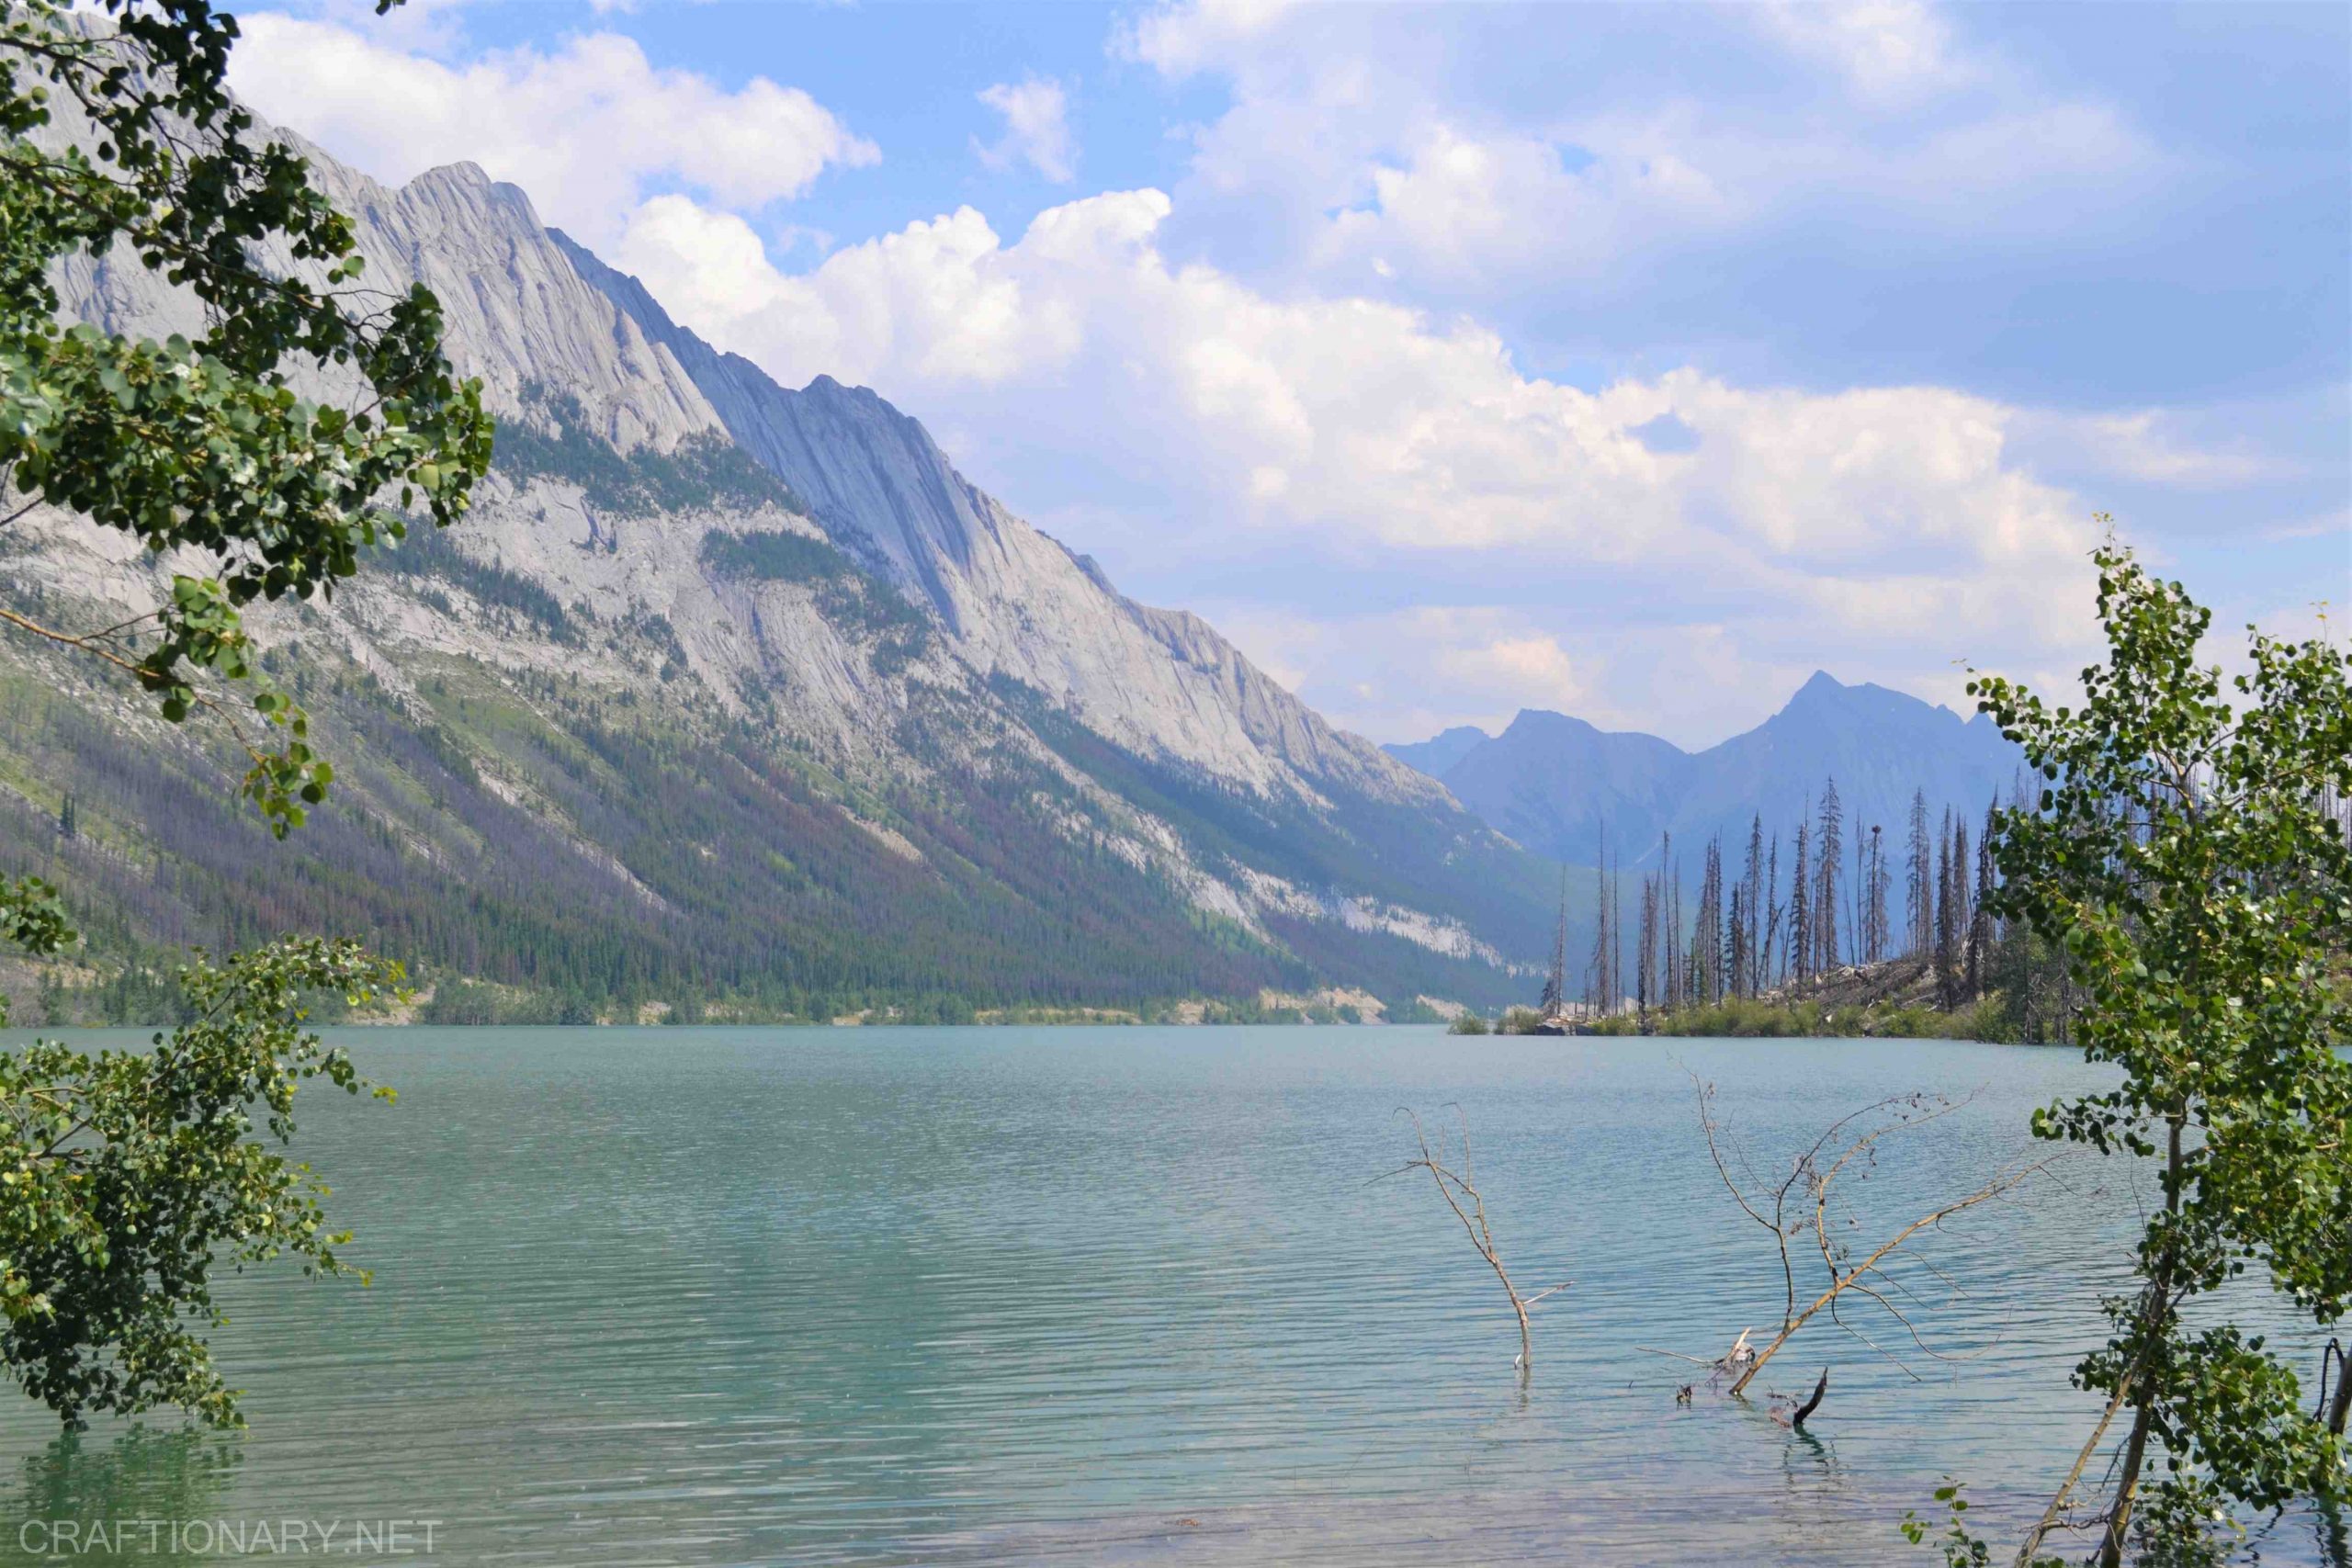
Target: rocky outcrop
(1016, 602)
(518, 315)
(925, 678)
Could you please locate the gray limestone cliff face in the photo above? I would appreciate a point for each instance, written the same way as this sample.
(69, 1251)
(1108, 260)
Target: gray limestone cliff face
(549, 330)
(1161, 683)
(516, 313)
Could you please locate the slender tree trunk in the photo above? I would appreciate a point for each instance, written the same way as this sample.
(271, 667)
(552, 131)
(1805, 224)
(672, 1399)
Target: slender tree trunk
(2158, 1307)
(2135, 1453)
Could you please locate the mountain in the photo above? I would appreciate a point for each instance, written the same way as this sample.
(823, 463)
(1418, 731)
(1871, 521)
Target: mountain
(731, 693)
(1557, 784)
(1440, 751)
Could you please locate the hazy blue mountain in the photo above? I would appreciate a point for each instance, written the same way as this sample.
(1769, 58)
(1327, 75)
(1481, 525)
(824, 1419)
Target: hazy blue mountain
(1553, 782)
(1438, 752)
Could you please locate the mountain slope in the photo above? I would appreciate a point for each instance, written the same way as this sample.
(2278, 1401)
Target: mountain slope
(1440, 751)
(1017, 603)
(1557, 783)
(724, 691)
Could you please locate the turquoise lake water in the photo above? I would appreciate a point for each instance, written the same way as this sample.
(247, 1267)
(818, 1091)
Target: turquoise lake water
(952, 1296)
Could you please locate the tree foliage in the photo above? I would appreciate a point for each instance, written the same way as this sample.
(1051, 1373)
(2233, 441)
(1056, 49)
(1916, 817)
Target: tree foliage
(2184, 858)
(125, 1177)
(120, 136)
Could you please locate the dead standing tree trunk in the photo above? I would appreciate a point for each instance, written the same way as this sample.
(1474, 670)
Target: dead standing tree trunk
(1461, 1194)
(1799, 1209)
(2336, 1405)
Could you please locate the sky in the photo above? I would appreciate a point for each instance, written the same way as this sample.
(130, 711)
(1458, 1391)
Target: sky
(1631, 362)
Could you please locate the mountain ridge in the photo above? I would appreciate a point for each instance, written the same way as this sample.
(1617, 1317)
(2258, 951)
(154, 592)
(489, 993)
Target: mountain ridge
(975, 560)
(1561, 786)
(727, 692)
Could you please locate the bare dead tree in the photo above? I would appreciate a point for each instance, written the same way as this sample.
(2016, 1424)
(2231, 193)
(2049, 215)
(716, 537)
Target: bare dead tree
(2332, 1409)
(1461, 1194)
(1805, 1217)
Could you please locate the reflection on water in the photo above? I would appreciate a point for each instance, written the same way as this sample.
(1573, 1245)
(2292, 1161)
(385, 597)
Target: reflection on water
(962, 1296)
(139, 1472)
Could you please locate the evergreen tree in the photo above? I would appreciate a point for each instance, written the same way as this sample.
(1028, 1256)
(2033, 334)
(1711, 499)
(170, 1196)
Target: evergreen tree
(1983, 928)
(1919, 897)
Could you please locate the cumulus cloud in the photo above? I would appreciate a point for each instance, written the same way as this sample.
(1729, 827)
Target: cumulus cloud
(1407, 674)
(1462, 207)
(1587, 548)
(1036, 129)
(1184, 37)
(1361, 428)
(586, 128)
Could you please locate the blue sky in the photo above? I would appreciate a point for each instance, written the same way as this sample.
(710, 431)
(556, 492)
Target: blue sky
(1626, 361)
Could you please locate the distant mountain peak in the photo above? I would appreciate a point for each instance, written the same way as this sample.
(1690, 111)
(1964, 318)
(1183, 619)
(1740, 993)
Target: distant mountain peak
(1821, 687)
(1548, 719)
(1558, 784)
(1434, 756)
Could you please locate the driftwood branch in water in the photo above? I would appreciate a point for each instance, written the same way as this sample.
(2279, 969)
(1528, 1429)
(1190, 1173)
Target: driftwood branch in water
(1800, 1208)
(1461, 1194)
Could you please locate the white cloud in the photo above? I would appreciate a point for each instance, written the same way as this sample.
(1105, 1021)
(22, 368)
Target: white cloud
(1882, 530)
(1184, 37)
(1352, 141)
(925, 303)
(1461, 207)
(1886, 518)
(2149, 446)
(585, 128)
(1378, 673)
(1888, 51)
(1036, 129)
(1458, 208)
(1406, 674)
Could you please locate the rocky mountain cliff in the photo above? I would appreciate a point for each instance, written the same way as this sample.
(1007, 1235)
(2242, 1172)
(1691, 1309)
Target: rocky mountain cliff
(731, 693)
(1559, 785)
(1017, 604)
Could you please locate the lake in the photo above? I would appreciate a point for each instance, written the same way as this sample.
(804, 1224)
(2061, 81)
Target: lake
(1117, 1296)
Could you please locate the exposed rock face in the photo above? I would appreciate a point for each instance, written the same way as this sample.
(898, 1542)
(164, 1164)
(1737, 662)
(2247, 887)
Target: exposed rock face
(1017, 603)
(965, 714)
(518, 315)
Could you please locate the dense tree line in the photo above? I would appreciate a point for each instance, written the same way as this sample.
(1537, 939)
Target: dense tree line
(742, 883)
